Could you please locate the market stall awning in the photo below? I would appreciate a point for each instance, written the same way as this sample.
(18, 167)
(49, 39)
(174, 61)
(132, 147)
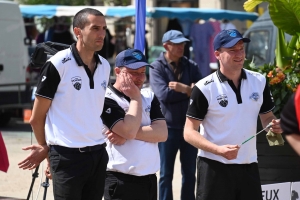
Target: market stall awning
(128, 11)
(199, 13)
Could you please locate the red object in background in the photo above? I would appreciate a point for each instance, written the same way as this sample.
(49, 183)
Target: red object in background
(4, 163)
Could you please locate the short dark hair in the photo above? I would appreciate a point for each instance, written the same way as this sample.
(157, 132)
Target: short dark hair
(81, 18)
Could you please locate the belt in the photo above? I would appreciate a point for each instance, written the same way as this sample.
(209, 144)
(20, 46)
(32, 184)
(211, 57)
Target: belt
(63, 149)
(129, 177)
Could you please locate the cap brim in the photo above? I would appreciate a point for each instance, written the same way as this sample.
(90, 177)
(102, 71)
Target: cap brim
(179, 40)
(234, 41)
(137, 65)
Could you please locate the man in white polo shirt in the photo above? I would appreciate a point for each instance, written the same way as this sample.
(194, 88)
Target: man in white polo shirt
(226, 104)
(66, 114)
(132, 140)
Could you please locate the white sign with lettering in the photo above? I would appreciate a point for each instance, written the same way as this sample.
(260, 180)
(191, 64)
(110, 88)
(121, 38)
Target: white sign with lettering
(278, 191)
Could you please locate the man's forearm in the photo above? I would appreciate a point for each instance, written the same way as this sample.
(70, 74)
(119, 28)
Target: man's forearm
(156, 132)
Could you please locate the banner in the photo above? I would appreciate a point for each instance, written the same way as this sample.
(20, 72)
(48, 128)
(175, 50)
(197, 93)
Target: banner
(278, 191)
(140, 22)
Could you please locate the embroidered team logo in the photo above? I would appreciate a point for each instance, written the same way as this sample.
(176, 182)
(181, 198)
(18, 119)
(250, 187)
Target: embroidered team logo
(44, 78)
(254, 96)
(137, 55)
(208, 81)
(232, 33)
(108, 111)
(147, 110)
(103, 84)
(76, 81)
(65, 60)
(223, 100)
(191, 101)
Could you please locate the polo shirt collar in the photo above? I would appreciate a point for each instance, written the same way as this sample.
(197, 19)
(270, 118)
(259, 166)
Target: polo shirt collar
(118, 93)
(223, 78)
(78, 59)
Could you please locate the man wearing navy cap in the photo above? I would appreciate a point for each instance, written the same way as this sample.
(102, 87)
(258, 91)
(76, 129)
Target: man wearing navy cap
(172, 78)
(226, 105)
(134, 125)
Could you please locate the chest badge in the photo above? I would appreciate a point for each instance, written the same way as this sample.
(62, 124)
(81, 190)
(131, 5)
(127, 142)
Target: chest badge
(77, 82)
(254, 96)
(103, 84)
(222, 100)
(147, 110)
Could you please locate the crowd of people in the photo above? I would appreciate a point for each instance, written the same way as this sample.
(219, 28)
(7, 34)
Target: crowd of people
(109, 140)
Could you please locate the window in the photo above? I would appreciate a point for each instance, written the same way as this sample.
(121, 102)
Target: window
(258, 47)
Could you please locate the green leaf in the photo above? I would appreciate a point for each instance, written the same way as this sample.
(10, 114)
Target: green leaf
(285, 14)
(281, 50)
(250, 4)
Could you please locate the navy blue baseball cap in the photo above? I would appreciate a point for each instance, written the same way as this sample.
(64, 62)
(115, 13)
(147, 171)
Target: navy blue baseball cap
(132, 59)
(174, 37)
(228, 38)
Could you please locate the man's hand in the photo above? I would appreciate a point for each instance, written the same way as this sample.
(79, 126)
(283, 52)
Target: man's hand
(276, 128)
(115, 138)
(47, 170)
(128, 87)
(229, 152)
(180, 87)
(37, 155)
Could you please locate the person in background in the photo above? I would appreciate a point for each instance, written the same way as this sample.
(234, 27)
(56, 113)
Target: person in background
(226, 104)
(66, 113)
(135, 125)
(290, 123)
(172, 79)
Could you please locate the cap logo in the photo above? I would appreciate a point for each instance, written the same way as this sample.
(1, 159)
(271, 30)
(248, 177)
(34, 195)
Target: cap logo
(137, 55)
(232, 33)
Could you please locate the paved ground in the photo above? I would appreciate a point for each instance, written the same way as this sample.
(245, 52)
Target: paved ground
(16, 182)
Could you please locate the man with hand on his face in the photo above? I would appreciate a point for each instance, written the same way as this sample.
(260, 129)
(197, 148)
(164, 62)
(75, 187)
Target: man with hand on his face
(134, 126)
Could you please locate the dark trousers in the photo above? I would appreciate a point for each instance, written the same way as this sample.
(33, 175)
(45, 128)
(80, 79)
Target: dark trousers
(78, 175)
(188, 156)
(220, 181)
(119, 186)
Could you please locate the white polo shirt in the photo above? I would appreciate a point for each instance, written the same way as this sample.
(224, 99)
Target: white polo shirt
(77, 95)
(135, 157)
(229, 114)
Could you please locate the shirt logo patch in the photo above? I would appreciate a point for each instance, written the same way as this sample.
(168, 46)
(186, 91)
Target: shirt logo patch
(108, 111)
(43, 78)
(65, 60)
(76, 81)
(254, 96)
(103, 84)
(223, 100)
(191, 101)
(208, 82)
(147, 110)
